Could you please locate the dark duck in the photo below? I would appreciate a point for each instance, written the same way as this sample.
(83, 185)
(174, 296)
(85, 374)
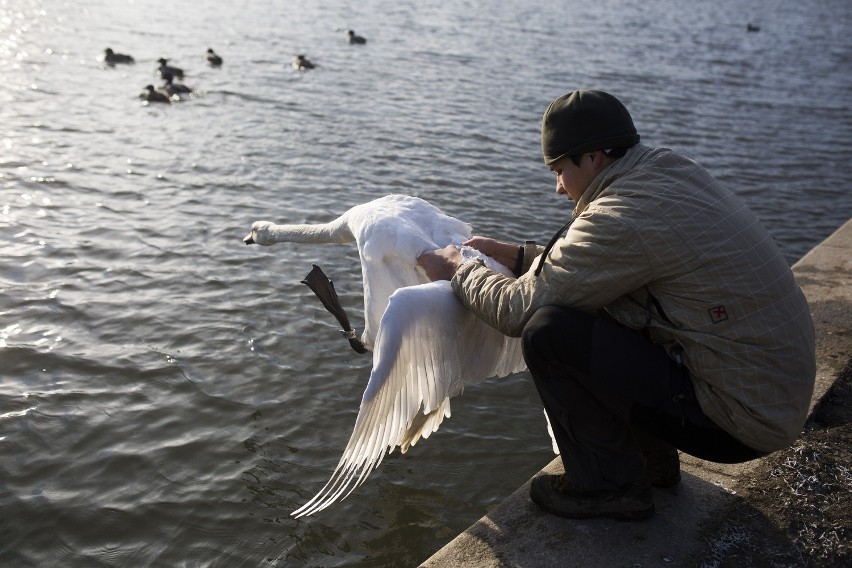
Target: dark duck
(165, 70)
(112, 58)
(152, 95)
(171, 88)
(213, 58)
(352, 37)
(302, 64)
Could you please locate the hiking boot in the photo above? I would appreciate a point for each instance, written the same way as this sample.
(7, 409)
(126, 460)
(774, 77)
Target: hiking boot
(631, 502)
(663, 467)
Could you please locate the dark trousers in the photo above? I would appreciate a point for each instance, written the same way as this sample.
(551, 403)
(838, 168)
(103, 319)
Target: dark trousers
(610, 393)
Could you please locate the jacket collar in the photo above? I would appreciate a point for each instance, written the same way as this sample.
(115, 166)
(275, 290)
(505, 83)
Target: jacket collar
(609, 174)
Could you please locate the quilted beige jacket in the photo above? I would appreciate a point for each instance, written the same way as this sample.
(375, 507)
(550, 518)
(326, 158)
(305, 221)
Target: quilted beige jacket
(663, 247)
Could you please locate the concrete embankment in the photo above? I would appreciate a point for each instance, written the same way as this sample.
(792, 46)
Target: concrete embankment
(519, 534)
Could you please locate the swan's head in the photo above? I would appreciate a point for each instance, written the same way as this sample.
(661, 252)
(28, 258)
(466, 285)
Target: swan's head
(260, 234)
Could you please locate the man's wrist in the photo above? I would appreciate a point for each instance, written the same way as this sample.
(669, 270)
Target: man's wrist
(530, 252)
(519, 261)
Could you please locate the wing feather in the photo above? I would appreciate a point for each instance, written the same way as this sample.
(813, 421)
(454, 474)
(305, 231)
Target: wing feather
(426, 344)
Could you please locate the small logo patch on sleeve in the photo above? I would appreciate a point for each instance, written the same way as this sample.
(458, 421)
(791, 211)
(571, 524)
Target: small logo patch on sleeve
(718, 314)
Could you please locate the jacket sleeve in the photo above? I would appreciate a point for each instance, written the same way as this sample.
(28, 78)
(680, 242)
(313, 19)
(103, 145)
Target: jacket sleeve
(600, 259)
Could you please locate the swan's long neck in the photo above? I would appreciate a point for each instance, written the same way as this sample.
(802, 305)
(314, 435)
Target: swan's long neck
(336, 231)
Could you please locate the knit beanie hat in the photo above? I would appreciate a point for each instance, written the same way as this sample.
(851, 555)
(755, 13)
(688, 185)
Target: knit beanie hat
(583, 121)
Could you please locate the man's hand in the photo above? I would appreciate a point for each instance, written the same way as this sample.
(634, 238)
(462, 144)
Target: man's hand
(440, 264)
(504, 253)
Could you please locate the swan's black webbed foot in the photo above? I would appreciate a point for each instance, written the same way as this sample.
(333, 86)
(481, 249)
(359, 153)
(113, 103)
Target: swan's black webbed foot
(323, 287)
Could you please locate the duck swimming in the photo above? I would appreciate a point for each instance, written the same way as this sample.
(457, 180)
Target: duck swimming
(112, 59)
(212, 58)
(166, 71)
(426, 345)
(351, 37)
(175, 89)
(152, 95)
(302, 64)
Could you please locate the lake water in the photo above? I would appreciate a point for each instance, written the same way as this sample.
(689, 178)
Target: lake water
(168, 395)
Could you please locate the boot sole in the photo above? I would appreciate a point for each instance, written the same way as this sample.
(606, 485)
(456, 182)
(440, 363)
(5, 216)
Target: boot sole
(666, 482)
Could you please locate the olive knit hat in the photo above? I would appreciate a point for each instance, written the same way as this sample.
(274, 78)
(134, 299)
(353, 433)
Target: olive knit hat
(583, 121)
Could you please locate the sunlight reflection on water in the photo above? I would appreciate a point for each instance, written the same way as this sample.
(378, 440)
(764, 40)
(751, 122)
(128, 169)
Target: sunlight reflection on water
(170, 395)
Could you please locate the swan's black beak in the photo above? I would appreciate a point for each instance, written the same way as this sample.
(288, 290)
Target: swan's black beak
(248, 240)
(323, 287)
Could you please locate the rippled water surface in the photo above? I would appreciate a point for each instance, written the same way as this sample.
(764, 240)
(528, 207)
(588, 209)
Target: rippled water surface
(168, 395)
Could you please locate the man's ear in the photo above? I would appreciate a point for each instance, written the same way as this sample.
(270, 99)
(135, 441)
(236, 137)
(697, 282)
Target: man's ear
(598, 159)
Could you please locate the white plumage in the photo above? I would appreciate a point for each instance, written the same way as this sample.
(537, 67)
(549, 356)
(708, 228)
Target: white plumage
(426, 345)
(390, 232)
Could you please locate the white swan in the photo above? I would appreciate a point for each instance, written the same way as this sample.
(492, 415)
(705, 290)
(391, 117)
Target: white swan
(390, 232)
(426, 345)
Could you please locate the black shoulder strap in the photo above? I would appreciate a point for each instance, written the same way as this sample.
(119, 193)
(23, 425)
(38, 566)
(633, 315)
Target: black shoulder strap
(550, 244)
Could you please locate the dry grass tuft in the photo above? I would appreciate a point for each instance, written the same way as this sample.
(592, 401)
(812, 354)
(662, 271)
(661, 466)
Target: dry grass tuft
(796, 509)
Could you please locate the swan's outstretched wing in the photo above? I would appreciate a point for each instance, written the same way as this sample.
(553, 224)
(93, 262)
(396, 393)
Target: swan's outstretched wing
(427, 347)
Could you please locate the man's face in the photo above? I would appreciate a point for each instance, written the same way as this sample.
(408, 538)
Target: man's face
(572, 180)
